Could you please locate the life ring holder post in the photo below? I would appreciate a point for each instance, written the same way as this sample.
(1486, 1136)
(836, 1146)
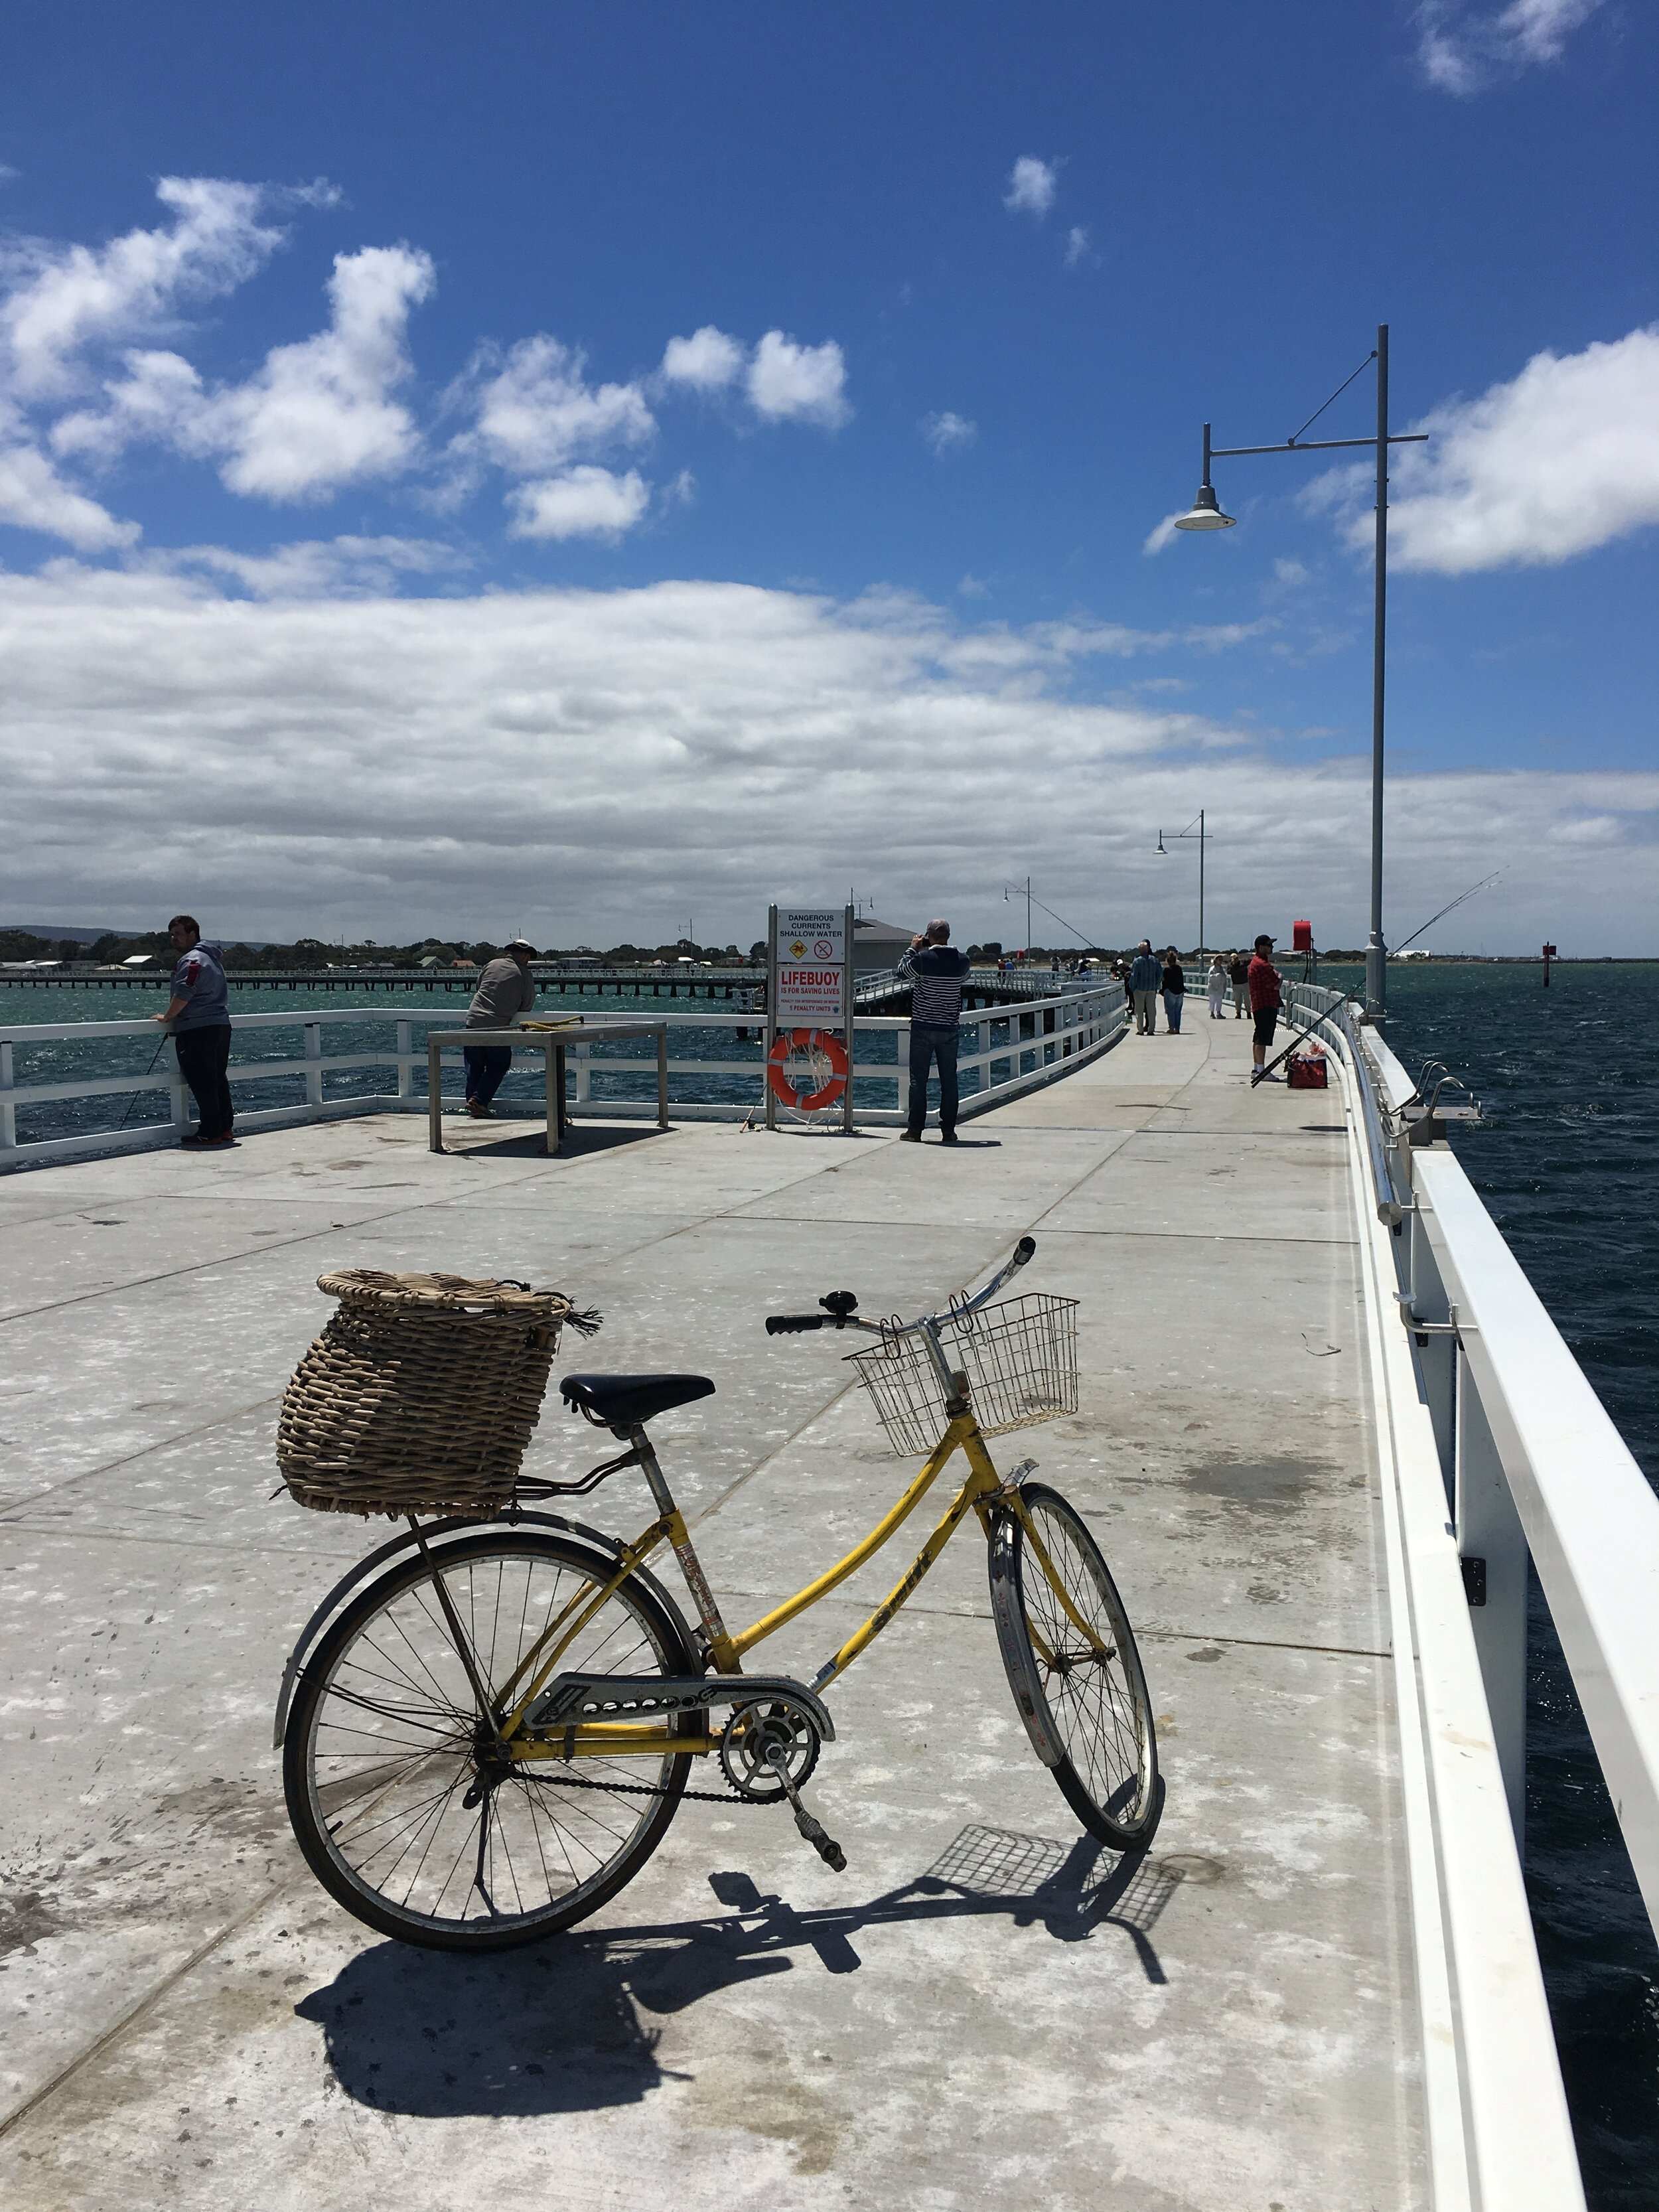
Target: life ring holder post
(843, 1047)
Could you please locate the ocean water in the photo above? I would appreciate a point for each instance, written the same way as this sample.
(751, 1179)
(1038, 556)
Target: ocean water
(1567, 1160)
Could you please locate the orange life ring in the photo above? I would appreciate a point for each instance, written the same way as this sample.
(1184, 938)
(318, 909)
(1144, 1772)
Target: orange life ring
(813, 1040)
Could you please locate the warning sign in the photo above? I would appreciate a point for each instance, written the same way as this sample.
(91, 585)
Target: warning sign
(812, 965)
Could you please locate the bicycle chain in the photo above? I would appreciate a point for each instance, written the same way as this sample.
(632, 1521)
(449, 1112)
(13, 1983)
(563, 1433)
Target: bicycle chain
(647, 1789)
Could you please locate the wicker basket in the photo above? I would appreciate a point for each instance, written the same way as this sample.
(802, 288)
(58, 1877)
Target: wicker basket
(420, 1395)
(1019, 1357)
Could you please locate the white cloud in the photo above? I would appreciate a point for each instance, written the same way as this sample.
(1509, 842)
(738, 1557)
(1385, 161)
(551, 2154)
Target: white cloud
(948, 430)
(315, 415)
(1289, 572)
(317, 569)
(33, 497)
(58, 299)
(662, 737)
(709, 360)
(320, 414)
(1031, 187)
(1157, 538)
(1563, 458)
(1461, 50)
(538, 412)
(580, 502)
(797, 383)
(1077, 246)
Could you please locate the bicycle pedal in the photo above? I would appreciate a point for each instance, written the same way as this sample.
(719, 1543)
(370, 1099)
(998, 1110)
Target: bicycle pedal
(822, 1842)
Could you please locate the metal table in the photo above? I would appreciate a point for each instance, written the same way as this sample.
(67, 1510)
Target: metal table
(554, 1045)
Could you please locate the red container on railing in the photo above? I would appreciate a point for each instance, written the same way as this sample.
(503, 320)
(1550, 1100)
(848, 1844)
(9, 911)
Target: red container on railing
(1302, 937)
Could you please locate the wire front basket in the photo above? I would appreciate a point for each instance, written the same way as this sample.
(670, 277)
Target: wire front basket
(1019, 1357)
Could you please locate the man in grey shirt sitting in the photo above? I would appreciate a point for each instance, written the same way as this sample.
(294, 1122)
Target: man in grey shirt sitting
(506, 990)
(936, 972)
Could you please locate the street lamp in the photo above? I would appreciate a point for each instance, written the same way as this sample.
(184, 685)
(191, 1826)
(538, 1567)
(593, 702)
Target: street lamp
(1205, 513)
(1194, 829)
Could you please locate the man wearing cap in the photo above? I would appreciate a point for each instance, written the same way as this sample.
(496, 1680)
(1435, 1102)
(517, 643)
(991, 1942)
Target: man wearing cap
(1265, 1002)
(506, 990)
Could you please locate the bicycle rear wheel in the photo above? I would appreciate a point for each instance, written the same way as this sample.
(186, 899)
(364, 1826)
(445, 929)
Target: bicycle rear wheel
(1074, 1669)
(401, 1814)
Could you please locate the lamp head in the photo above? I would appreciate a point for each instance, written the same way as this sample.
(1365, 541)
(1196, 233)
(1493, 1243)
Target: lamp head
(1206, 513)
(1160, 844)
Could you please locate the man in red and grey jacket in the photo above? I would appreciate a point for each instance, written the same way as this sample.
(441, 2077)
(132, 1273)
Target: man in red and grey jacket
(1265, 999)
(199, 1018)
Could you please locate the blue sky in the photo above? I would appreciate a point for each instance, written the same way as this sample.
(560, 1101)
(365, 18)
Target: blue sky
(954, 660)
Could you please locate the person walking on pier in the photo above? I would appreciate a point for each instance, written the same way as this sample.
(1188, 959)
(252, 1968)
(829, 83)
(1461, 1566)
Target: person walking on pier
(506, 989)
(1218, 983)
(936, 970)
(1174, 990)
(1266, 1000)
(1239, 969)
(1145, 982)
(199, 1018)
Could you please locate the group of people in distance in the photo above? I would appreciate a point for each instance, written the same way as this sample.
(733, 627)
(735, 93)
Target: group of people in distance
(1150, 977)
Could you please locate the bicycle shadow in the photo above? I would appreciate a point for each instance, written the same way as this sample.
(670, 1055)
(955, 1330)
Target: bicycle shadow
(558, 2028)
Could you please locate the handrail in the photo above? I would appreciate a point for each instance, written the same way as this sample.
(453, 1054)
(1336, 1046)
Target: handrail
(1055, 1034)
(1500, 2132)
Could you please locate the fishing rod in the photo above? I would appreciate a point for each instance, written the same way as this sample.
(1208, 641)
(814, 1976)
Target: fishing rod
(1484, 884)
(1021, 891)
(134, 1098)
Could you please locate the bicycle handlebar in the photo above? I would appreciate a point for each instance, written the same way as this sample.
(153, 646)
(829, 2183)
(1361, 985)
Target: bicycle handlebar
(839, 1304)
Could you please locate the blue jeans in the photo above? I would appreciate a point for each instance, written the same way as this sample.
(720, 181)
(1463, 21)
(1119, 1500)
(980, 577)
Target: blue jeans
(486, 1064)
(1173, 1002)
(927, 1045)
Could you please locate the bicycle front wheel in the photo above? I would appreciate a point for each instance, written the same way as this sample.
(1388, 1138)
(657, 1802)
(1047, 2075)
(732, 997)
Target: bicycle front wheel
(401, 1813)
(1073, 1667)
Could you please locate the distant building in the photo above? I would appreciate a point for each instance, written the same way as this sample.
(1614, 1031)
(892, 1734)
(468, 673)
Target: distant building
(877, 945)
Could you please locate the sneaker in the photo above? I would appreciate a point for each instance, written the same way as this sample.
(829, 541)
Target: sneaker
(479, 1111)
(194, 1140)
(910, 1137)
(948, 1137)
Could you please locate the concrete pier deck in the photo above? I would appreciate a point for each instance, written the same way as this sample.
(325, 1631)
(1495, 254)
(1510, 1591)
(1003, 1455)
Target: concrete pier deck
(986, 2009)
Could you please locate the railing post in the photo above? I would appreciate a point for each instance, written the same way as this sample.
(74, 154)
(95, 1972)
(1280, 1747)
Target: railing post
(1492, 1544)
(584, 1069)
(314, 1073)
(8, 1110)
(406, 1064)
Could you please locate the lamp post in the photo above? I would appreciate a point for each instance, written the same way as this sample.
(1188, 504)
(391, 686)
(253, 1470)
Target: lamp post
(1205, 513)
(1194, 829)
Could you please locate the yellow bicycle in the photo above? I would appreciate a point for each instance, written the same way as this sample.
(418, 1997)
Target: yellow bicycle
(488, 1727)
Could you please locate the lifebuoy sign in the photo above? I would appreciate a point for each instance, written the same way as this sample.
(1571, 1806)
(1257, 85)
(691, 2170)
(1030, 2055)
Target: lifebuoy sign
(809, 997)
(812, 957)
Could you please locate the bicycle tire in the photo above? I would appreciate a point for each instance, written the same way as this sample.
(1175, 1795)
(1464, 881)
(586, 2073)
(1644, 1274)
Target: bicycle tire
(1084, 1701)
(383, 1724)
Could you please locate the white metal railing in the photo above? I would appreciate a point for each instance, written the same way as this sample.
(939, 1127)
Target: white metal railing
(1502, 1452)
(1041, 1040)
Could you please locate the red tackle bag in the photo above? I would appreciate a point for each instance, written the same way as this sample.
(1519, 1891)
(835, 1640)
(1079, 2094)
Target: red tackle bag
(1307, 1071)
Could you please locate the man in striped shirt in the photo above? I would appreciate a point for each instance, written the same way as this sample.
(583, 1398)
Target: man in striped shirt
(936, 972)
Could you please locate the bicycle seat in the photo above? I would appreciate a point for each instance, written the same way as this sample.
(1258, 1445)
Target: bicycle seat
(618, 1401)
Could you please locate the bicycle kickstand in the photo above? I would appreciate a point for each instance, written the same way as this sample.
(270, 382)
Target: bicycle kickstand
(814, 1831)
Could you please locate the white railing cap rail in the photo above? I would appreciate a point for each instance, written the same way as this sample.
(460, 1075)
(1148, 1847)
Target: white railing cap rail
(1591, 1518)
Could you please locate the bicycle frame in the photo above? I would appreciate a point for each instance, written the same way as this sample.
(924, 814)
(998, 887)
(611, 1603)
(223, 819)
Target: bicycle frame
(981, 1488)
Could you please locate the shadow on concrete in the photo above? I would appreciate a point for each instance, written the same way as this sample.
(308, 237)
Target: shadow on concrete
(560, 2027)
(527, 1140)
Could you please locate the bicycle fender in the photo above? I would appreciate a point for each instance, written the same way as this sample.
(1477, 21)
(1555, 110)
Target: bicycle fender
(1005, 1608)
(436, 1532)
